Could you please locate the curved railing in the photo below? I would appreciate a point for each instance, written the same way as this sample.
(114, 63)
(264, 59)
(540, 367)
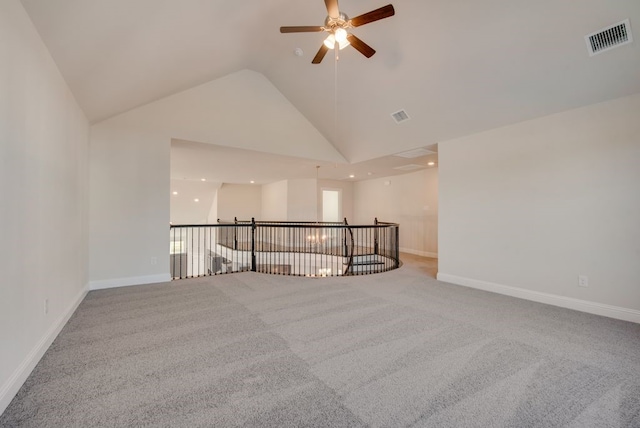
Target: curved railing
(285, 248)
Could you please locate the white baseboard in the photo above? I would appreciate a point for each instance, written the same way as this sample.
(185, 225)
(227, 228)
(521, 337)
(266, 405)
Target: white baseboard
(419, 253)
(616, 312)
(125, 282)
(20, 375)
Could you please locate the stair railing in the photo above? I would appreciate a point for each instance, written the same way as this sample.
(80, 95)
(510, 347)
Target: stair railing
(287, 248)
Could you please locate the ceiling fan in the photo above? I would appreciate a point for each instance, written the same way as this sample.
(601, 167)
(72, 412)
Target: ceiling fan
(337, 25)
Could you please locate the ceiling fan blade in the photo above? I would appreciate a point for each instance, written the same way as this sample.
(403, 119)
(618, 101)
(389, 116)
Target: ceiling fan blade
(301, 29)
(374, 15)
(320, 55)
(332, 8)
(361, 46)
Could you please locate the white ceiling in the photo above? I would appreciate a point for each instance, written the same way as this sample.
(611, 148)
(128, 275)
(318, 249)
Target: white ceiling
(456, 66)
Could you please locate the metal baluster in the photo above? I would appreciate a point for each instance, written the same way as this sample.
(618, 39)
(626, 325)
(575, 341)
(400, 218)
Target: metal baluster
(172, 259)
(293, 248)
(184, 248)
(253, 244)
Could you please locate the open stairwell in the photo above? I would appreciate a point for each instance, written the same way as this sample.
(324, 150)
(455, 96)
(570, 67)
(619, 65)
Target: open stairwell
(366, 263)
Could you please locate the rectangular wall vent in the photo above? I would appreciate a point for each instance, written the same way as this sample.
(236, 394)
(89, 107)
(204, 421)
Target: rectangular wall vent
(415, 153)
(400, 116)
(608, 38)
(409, 167)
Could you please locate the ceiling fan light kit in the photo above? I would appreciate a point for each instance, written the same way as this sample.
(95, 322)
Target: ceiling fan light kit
(332, 39)
(337, 24)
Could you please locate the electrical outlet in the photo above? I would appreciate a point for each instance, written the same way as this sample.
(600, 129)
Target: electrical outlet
(583, 281)
(46, 306)
(154, 260)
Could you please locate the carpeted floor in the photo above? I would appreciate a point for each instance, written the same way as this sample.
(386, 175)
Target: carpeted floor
(393, 349)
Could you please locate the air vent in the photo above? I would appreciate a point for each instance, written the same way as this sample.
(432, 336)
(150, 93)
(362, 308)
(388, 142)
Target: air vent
(415, 153)
(400, 116)
(608, 38)
(410, 167)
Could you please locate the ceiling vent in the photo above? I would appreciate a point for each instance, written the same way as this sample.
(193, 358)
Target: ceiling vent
(400, 116)
(415, 153)
(608, 38)
(410, 167)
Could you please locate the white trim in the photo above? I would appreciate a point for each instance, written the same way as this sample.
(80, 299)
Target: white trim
(616, 312)
(419, 253)
(125, 282)
(20, 375)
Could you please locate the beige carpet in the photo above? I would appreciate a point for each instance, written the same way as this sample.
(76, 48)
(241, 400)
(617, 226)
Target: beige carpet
(393, 349)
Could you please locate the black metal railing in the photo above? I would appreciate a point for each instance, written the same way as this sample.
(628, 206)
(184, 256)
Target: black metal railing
(285, 248)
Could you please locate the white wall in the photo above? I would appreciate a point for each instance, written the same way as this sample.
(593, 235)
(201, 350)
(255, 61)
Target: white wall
(43, 215)
(410, 200)
(302, 199)
(129, 205)
(243, 201)
(274, 201)
(527, 208)
(212, 217)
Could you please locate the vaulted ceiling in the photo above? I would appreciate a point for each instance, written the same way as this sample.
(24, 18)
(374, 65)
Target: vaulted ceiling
(456, 66)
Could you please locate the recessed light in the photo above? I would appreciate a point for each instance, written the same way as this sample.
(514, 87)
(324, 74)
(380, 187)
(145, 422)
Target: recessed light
(252, 182)
(203, 179)
(369, 173)
(196, 200)
(352, 176)
(175, 193)
(431, 163)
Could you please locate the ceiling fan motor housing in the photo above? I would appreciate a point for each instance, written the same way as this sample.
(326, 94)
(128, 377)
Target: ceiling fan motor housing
(331, 24)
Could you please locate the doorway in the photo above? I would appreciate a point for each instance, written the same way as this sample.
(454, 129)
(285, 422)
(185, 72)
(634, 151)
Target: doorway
(331, 205)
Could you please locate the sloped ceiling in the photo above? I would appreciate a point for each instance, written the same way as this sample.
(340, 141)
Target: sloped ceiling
(457, 67)
(242, 109)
